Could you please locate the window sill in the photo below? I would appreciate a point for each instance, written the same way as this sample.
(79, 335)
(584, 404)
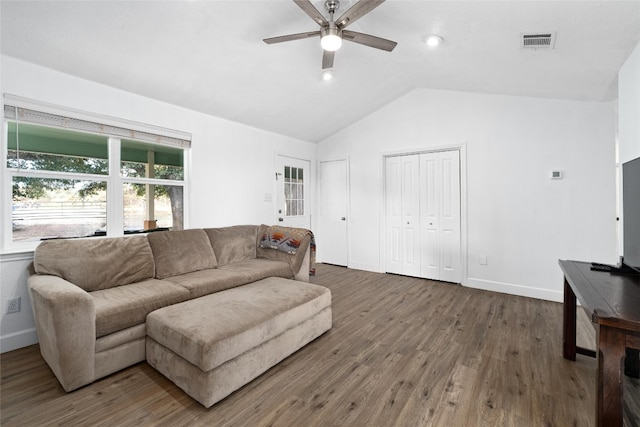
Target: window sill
(9, 255)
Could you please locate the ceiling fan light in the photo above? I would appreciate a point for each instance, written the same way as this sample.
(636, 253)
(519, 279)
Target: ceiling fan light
(433, 41)
(331, 40)
(326, 75)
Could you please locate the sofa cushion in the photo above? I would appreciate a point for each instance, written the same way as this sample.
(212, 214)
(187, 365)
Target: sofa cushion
(125, 306)
(206, 282)
(260, 268)
(94, 264)
(233, 244)
(211, 330)
(181, 251)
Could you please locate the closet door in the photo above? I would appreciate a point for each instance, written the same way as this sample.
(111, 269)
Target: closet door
(402, 189)
(430, 207)
(440, 207)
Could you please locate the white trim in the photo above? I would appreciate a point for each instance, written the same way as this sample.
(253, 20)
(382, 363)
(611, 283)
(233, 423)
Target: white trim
(37, 173)
(153, 181)
(6, 191)
(16, 256)
(45, 107)
(16, 340)
(115, 202)
(513, 289)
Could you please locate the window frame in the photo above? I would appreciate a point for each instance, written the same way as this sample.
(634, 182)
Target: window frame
(296, 186)
(114, 179)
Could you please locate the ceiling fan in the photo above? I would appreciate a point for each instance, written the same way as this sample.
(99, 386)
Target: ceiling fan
(332, 32)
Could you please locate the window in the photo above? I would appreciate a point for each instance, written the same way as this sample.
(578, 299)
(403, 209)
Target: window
(294, 191)
(78, 178)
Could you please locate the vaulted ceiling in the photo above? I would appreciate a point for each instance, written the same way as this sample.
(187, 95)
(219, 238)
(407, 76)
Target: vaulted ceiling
(209, 55)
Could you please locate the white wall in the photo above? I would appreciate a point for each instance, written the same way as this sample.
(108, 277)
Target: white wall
(232, 165)
(519, 218)
(629, 107)
(628, 119)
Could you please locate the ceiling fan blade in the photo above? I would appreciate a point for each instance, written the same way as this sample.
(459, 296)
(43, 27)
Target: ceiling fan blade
(327, 59)
(310, 10)
(369, 40)
(291, 37)
(357, 11)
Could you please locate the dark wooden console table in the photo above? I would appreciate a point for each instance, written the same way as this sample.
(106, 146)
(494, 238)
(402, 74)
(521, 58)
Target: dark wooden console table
(612, 302)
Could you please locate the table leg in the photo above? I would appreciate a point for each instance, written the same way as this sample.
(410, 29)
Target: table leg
(569, 323)
(609, 386)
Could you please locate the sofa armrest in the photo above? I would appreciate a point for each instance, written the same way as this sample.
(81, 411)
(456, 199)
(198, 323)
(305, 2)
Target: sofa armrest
(303, 272)
(300, 262)
(65, 317)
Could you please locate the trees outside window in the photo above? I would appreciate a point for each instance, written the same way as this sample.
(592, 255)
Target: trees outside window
(62, 181)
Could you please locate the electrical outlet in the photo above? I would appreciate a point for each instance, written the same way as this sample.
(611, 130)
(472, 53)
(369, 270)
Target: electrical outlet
(13, 305)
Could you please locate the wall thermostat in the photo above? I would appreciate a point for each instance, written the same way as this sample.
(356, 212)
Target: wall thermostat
(556, 175)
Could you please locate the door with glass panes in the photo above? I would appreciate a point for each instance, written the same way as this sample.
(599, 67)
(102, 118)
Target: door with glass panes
(292, 186)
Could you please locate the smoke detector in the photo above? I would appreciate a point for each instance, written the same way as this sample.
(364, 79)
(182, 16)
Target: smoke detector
(538, 40)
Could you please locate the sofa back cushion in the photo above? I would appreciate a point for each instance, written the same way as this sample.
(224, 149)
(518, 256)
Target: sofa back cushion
(95, 264)
(233, 244)
(181, 251)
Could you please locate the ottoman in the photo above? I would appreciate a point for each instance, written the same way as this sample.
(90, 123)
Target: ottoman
(213, 345)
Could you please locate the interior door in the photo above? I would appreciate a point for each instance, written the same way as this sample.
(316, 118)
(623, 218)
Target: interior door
(292, 192)
(440, 207)
(402, 190)
(332, 213)
(430, 205)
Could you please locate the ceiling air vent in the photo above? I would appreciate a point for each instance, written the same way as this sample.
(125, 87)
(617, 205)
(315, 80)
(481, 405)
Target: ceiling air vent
(539, 41)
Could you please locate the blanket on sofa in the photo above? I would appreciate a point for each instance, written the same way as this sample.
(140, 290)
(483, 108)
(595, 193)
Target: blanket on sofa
(288, 240)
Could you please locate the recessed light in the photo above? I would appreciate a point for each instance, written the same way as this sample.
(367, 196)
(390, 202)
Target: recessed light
(326, 75)
(433, 41)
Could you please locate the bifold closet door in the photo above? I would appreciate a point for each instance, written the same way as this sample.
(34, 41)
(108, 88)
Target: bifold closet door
(402, 189)
(440, 216)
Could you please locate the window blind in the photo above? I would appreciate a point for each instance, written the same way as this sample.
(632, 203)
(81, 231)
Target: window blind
(102, 125)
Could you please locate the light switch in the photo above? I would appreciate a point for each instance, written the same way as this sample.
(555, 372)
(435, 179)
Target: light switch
(556, 175)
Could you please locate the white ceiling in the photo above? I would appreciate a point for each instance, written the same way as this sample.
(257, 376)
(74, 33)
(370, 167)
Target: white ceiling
(209, 55)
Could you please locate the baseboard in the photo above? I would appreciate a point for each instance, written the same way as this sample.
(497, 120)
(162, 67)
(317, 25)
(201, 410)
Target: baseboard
(18, 340)
(520, 290)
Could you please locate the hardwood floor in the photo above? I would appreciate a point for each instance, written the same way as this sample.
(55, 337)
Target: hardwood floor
(402, 352)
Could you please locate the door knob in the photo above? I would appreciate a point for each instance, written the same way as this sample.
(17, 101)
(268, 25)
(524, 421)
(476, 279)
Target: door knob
(343, 218)
(281, 219)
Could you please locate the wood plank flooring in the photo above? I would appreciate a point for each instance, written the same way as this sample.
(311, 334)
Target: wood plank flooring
(402, 352)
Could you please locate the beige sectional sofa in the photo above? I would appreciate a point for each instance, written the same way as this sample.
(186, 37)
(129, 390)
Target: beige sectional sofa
(91, 297)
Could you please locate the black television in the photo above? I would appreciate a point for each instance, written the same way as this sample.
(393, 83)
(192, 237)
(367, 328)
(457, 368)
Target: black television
(631, 216)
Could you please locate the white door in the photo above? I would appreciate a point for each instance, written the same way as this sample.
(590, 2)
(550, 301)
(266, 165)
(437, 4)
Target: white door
(292, 192)
(332, 213)
(402, 189)
(440, 207)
